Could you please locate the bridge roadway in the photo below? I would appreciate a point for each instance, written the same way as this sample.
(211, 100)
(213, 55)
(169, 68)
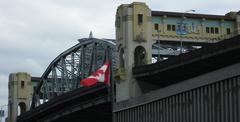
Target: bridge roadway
(83, 104)
(191, 64)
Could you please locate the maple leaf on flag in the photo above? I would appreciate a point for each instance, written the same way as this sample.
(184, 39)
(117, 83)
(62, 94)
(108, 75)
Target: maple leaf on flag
(101, 75)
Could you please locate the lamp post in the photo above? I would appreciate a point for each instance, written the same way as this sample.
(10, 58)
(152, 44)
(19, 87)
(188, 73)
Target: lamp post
(158, 41)
(2, 112)
(181, 29)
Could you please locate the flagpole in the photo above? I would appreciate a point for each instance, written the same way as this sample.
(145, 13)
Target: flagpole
(111, 87)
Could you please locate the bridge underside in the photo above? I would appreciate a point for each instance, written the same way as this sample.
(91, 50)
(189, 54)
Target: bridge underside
(85, 104)
(99, 113)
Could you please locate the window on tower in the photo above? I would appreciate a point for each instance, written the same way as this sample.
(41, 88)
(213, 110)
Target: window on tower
(140, 19)
(156, 27)
(212, 30)
(22, 84)
(207, 30)
(173, 28)
(168, 27)
(216, 30)
(228, 31)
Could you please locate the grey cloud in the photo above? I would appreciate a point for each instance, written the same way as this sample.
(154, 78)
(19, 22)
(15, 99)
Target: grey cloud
(34, 32)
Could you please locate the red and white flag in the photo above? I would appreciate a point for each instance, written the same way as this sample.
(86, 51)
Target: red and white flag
(101, 75)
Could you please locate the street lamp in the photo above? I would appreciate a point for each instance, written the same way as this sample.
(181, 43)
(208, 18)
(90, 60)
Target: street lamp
(181, 28)
(158, 41)
(2, 112)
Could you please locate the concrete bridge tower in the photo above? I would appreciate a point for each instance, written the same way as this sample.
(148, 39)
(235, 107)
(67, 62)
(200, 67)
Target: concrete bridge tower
(20, 94)
(134, 46)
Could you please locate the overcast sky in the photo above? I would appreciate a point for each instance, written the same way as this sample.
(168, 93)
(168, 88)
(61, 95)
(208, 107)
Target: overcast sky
(34, 32)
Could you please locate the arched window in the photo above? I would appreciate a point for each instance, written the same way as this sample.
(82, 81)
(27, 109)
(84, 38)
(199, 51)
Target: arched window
(140, 56)
(21, 108)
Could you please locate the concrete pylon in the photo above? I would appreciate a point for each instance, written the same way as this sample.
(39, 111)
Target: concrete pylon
(20, 94)
(134, 47)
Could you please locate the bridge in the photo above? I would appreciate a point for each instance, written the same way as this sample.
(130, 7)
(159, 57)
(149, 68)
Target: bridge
(59, 97)
(192, 85)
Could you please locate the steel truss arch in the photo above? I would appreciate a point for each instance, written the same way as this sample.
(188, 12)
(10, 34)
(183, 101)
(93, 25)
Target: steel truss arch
(64, 73)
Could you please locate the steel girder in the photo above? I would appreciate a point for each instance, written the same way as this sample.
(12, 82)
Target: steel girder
(65, 72)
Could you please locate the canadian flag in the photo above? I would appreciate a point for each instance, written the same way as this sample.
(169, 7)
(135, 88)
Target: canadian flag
(101, 75)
